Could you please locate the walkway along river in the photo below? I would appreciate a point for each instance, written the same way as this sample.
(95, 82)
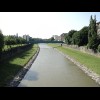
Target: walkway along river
(51, 69)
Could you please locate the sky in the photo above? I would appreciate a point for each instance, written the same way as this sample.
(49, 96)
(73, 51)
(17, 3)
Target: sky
(43, 24)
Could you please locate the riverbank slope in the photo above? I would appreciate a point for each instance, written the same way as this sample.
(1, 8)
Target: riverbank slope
(88, 63)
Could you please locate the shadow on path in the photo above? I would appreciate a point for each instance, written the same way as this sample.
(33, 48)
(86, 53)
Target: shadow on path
(8, 72)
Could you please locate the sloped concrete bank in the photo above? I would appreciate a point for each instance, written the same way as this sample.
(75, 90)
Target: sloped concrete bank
(88, 71)
(15, 82)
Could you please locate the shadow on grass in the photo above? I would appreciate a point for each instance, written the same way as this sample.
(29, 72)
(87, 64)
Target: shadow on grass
(8, 72)
(21, 55)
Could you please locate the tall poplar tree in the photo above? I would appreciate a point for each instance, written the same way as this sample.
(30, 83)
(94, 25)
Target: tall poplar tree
(92, 34)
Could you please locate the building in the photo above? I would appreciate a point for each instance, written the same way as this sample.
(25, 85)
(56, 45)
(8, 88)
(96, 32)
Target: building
(26, 37)
(60, 38)
(57, 38)
(98, 28)
(63, 36)
(17, 35)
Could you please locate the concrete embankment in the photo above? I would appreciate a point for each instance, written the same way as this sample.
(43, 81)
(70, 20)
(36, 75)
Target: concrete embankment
(88, 71)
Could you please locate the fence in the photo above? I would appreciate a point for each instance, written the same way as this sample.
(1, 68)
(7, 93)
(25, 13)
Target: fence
(13, 51)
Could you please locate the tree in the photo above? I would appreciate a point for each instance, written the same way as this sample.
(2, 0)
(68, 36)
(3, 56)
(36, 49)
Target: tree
(18, 41)
(76, 38)
(68, 38)
(10, 40)
(52, 39)
(1, 40)
(23, 41)
(7, 41)
(84, 36)
(71, 32)
(92, 34)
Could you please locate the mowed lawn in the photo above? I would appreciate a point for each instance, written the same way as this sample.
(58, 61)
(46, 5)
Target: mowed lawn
(10, 67)
(89, 61)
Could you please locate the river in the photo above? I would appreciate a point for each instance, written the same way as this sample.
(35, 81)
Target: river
(52, 69)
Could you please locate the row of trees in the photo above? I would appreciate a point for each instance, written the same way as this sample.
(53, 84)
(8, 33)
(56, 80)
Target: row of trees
(10, 40)
(39, 40)
(79, 38)
(87, 36)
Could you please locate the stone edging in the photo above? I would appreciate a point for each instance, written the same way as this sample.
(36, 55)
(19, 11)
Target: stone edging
(89, 72)
(22, 72)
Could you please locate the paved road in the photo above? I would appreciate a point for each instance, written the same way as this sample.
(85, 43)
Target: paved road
(51, 69)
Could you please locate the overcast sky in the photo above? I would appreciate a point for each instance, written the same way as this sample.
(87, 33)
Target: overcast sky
(43, 24)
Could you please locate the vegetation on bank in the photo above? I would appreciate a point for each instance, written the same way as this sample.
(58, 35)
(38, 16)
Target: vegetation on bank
(87, 36)
(5, 48)
(90, 61)
(13, 41)
(10, 67)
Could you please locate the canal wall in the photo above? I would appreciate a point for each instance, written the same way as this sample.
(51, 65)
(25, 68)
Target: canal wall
(86, 70)
(6, 54)
(15, 82)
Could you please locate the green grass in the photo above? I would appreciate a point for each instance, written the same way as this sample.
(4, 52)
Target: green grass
(8, 69)
(90, 61)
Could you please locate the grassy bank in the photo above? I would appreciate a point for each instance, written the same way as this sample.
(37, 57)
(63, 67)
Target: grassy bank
(8, 69)
(90, 61)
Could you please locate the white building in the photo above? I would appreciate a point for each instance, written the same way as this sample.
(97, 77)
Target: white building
(57, 38)
(17, 35)
(98, 28)
(26, 37)
(63, 35)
